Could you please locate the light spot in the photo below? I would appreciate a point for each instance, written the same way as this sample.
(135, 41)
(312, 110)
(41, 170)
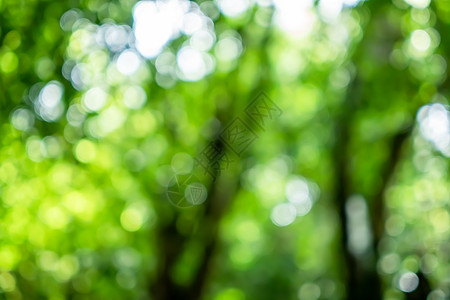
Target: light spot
(47, 260)
(420, 40)
(156, 23)
(22, 119)
(166, 81)
(228, 49)
(126, 279)
(394, 225)
(75, 115)
(142, 124)
(135, 160)
(420, 16)
(230, 294)
(9, 257)
(52, 146)
(94, 99)
(66, 268)
(127, 258)
(132, 219)
(436, 295)
(68, 19)
(358, 227)
(85, 151)
(164, 175)
(78, 204)
(428, 263)
(44, 67)
(7, 282)
(109, 120)
(202, 40)
(54, 217)
(299, 195)
(51, 94)
(297, 190)
(330, 9)
(191, 23)
(264, 3)
(241, 255)
(248, 231)
(440, 220)
(182, 163)
(295, 17)
(389, 263)
(80, 76)
(134, 97)
(128, 62)
(210, 9)
(115, 37)
(340, 78)
(8, 62)
(195, 193)
(233, 8)
(309, 291)
(283, 214)
(12, 40)
(194, 64)
(351, 2)
(67, 68)
(166, 63)
(49, 105)
(434, 123)
(408, 282)
(35, 148)
(418, 3)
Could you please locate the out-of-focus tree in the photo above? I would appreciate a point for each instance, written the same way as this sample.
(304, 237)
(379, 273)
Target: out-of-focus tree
(108, 107)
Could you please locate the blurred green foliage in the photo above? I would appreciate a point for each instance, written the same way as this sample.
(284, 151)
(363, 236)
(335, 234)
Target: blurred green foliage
(344, 196)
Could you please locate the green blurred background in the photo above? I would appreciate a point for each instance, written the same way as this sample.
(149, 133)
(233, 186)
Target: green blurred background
(345, 195)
